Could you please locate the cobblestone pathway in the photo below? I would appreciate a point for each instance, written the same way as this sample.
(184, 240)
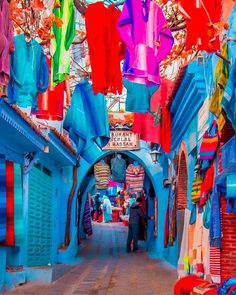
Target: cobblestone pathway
(108, 269)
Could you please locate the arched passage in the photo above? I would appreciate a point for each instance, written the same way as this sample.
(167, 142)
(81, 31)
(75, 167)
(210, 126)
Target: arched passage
(88, 159)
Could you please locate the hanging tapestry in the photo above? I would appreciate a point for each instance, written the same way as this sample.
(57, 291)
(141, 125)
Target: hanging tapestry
(3, 205)
(10, 203)
(18, 206)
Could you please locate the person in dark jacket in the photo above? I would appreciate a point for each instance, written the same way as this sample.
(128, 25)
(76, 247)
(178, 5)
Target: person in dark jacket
(135, 216)
(98, 203)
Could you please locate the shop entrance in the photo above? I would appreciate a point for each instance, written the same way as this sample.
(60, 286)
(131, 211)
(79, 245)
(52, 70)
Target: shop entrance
(116, 181)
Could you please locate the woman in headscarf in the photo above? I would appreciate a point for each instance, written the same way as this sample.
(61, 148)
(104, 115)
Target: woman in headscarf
(107, 209)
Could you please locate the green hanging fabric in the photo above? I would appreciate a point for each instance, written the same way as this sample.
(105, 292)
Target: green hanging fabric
(64, 35)
(18, 206)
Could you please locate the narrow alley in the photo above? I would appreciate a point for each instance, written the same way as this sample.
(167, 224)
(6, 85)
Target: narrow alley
(106, 268)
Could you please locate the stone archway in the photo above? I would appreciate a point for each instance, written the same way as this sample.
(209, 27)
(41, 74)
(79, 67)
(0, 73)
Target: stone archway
(182, 190)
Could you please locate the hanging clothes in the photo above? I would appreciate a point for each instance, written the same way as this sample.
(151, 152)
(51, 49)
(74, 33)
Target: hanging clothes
(118, 168)
(207, 185)
(134, 178)
(201, 19)
(229, 98)
(87, 223)
(29, 73)
(138, 96)
(221, 77)
(64, 36)
(102, 174)
(6, 42)
(3, 199)
(105, 47)
(18, 206)
(155, 126)
(10, 240)
(144, 29)
(87, 118)
(183, 265)
(51, 102)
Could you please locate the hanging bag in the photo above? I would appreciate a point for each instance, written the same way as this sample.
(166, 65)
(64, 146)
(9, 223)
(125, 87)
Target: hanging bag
(209, 143)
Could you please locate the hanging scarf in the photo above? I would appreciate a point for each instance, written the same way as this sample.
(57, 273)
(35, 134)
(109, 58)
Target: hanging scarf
(215, 224)
(10, 203)
(3, 208)
(18, 206)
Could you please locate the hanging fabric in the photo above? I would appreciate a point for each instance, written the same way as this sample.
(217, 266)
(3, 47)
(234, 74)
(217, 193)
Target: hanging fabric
(87, 118)
(148, 39)
(87, 223)
(10, 240)
(207, 185)
(221, 77)
(18, 206)
(64, 36)
(106, 49)
(102, 174)
(3, 199)
(201, 23)
(29, 73)
(155, 126)
(231, 193)
(51, 102)
(118, 168)
(209, 143)
(134, 178)
(229, 98)
(6, 44)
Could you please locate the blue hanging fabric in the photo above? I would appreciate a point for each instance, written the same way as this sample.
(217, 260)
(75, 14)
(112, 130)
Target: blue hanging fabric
(215, 224)
(193, 215)
(3, 199)
(231, 193)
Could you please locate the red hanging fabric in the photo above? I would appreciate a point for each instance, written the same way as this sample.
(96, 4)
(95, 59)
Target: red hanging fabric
(51, 102)
(156, 125)
(201, 18)
(106, 49)
(10, 203)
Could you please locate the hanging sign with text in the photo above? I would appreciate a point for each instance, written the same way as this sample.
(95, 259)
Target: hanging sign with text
(123, 140)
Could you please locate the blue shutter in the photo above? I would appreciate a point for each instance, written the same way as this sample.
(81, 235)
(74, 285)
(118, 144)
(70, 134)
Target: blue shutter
(40, 217)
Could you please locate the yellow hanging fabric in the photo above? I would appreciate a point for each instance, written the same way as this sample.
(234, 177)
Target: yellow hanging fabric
(220, 77)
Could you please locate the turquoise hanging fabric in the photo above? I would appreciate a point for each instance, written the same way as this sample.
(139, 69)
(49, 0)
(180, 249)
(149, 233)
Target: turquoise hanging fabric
(3, 200)
(231, 193)
(207, 214)
(18, 206)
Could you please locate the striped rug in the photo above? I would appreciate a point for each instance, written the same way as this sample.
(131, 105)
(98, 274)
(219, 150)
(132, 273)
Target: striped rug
(10, 203)
(3, 204)
(18, 206)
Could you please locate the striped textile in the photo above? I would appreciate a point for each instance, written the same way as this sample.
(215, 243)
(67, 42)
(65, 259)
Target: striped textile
(10, 203)
(208, 146)
(87, 223)
(3, 205)
(18, 206)
(196, 190)
(102, 174)
(134, 178)
(215, 264)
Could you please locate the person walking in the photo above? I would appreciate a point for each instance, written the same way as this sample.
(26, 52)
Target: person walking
(135, 217)
(107, 209)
